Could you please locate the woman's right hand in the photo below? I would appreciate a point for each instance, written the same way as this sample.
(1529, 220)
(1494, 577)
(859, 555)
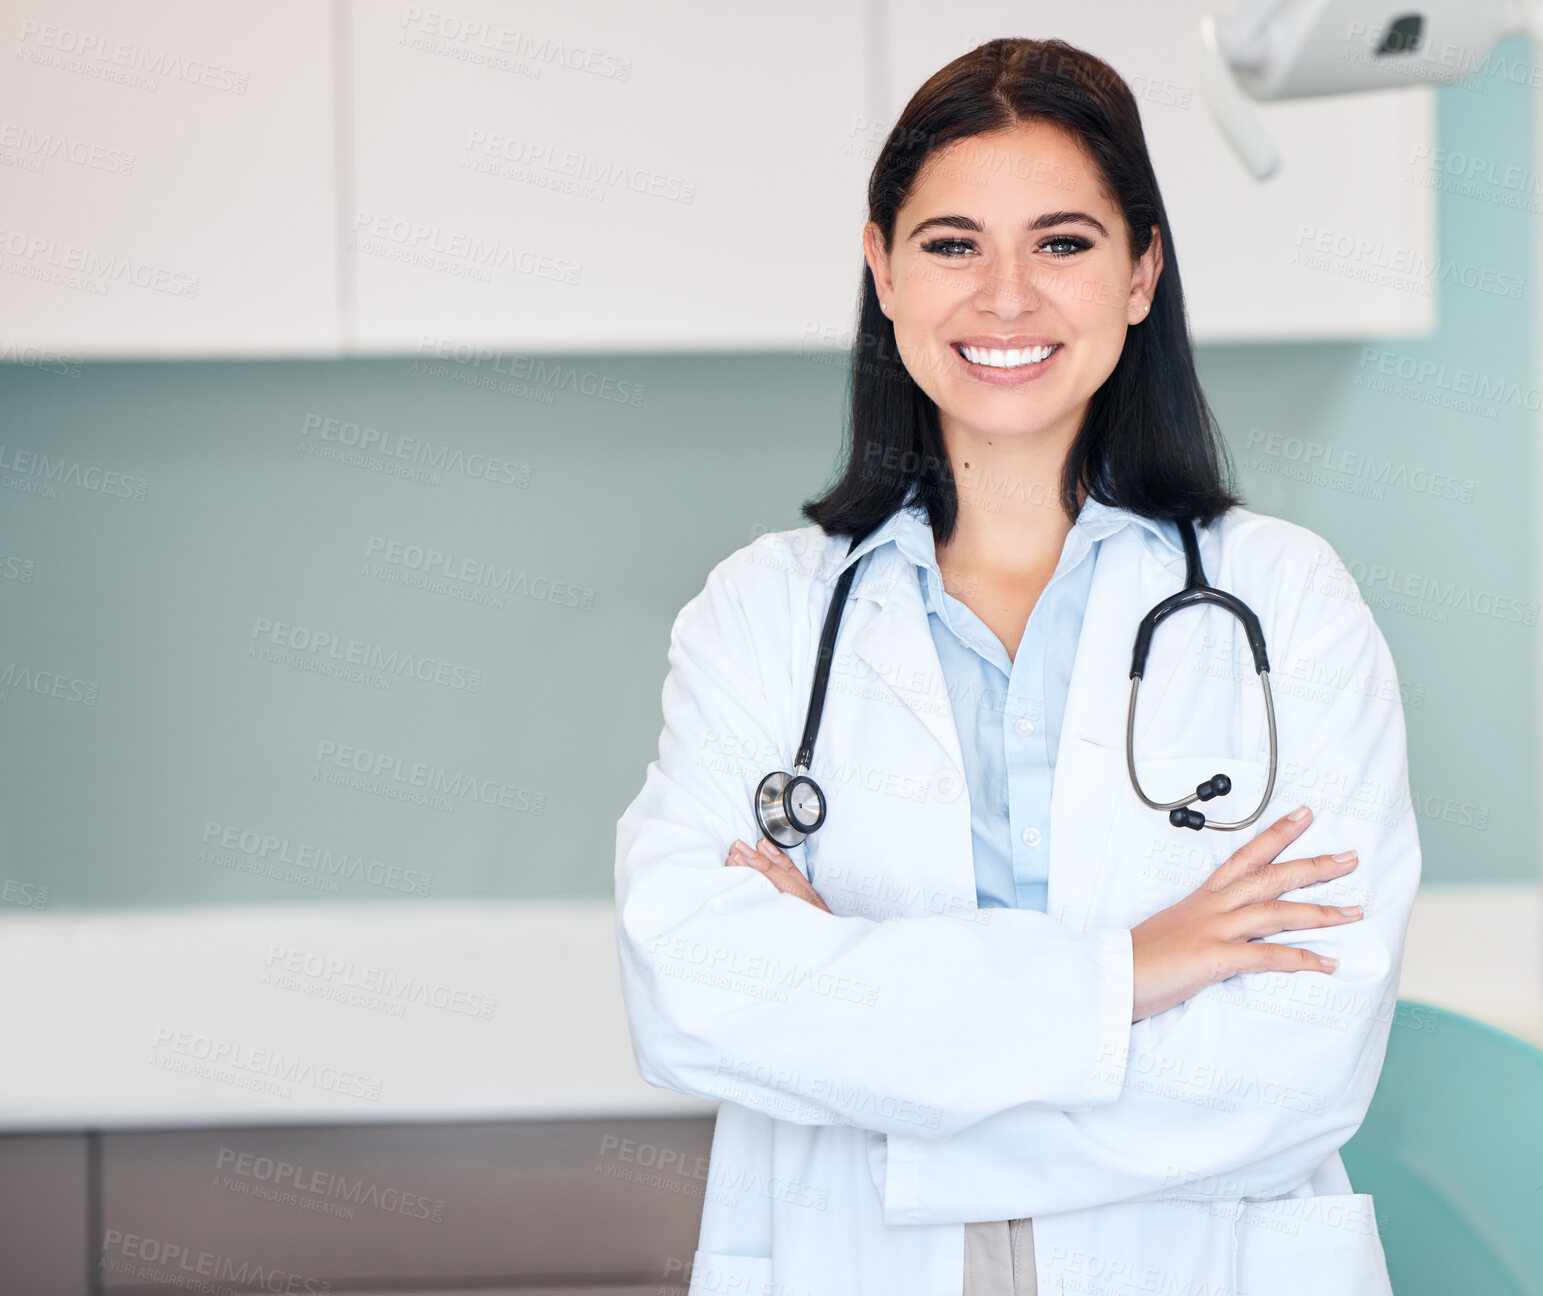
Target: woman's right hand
(1207, 936)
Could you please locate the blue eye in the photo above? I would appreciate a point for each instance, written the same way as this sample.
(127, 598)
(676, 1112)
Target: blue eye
(937, 245)
(1076, 244)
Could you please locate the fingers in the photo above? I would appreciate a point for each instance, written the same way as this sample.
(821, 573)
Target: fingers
(1261, 956)
(777, 868)
(1272, 916)
(765, 852)
(741, 854)
(1265, 847)
(1272, 880)
(767, 859)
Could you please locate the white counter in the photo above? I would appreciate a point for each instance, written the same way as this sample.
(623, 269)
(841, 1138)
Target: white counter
(292, 1014)
(472, 1010)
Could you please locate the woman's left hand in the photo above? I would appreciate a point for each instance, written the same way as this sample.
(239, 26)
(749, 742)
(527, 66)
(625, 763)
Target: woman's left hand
(769, 861)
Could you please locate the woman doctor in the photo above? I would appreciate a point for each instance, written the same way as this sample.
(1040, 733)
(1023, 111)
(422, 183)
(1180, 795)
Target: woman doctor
(1052, 1085)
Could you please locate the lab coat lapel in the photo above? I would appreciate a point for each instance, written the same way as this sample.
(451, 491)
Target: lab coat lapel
(1090, 773)
(893, 639)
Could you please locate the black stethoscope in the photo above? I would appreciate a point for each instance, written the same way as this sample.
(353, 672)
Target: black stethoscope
(790, 806)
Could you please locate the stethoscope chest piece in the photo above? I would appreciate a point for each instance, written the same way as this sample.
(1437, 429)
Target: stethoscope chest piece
(789, 807)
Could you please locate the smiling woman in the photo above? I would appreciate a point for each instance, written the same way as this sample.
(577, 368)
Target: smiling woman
(1044, 1084)
(1014, 209)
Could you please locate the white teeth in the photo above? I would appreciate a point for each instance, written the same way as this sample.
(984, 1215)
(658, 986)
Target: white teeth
(1006, 359)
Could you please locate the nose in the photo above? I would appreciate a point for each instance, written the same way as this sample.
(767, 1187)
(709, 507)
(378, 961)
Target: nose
(1010, 289)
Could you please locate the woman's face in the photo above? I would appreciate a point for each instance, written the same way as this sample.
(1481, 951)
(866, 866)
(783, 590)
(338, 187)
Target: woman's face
(1010, 283)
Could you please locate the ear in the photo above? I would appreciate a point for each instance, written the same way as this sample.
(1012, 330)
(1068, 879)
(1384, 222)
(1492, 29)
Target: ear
(878, 262)
(1143, 284)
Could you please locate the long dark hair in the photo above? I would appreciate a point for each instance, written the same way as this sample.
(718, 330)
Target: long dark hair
(1148, 442)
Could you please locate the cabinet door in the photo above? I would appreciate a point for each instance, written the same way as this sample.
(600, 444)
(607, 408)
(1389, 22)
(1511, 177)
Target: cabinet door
(1339, 243)
(607, 174)
(168, 179)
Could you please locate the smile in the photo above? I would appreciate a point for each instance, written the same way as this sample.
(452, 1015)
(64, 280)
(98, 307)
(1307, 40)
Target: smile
(1007, 359)
(1006, 367)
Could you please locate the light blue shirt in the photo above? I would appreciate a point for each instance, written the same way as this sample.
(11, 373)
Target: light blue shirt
(1008, 710)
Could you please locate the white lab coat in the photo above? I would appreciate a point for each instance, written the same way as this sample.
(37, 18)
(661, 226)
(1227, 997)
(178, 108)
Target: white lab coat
(909, 1063)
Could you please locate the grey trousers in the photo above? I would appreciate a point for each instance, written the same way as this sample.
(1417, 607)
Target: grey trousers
(999, 1258)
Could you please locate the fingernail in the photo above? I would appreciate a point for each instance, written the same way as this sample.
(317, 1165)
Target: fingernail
(766, 848)
(1298, 814)
(1350, 911)
(1329, 963)
(1344, 857)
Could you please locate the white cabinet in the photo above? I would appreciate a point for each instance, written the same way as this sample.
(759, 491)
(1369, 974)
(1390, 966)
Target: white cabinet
(605, 174)
(167, 178)
(1340, 243)
(299, 178)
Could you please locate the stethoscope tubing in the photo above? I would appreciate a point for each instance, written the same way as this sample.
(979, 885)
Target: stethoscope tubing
(777, 808)
(1184, 802)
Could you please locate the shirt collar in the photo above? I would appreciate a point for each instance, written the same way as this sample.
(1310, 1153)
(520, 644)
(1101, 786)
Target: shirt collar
(908, 528)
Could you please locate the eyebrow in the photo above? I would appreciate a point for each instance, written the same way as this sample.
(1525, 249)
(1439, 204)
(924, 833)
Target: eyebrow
(1043, 221)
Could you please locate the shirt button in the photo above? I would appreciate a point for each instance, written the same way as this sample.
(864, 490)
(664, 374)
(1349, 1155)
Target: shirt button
(1025, 726)
(1031, 836)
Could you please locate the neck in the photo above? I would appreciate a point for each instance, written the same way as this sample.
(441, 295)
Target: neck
(1011, 522)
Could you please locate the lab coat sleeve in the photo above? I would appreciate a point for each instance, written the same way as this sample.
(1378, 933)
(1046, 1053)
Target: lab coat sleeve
(735, 990)
(1250, 1085)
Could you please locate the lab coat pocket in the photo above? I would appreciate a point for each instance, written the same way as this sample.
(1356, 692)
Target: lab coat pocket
(1165, 863)
(1327, 1245)
(714, 1274)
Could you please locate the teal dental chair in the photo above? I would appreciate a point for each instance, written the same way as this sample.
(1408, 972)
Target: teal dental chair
(1452, 1153)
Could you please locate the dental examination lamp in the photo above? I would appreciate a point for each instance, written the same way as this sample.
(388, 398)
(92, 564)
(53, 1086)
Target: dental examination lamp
(1292, 49)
